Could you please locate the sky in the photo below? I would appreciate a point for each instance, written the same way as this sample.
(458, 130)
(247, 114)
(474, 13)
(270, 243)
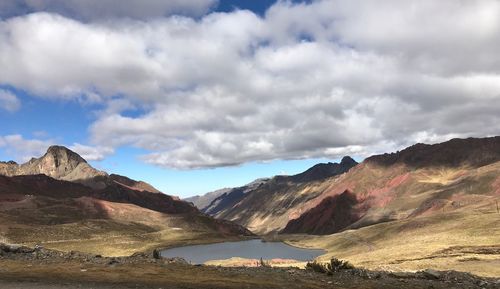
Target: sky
(197, 95)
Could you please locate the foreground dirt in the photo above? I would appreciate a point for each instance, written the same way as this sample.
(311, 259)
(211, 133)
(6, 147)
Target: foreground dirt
(26, 268)
(49, 285)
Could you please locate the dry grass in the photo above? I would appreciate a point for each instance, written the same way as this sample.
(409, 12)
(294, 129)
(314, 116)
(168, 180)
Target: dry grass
(416, 244)
(154, 276)
(126, 229)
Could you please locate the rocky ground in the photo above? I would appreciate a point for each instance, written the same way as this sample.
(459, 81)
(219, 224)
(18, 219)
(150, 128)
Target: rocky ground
(26, 268)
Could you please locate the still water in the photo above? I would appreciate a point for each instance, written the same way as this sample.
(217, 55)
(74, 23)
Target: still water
(251, 249)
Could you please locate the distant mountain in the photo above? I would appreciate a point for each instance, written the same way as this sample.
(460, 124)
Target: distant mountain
(418, 181)
(262, 206)
(59, 197)
(64, 164)
(204, 200)
(231, 197)
(323, 171)
(59, 163)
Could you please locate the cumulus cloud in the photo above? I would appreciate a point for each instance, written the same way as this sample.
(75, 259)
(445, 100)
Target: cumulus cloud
(105, 9)
(23, 149)
(9, 101)
(318, 79)
(91, 153)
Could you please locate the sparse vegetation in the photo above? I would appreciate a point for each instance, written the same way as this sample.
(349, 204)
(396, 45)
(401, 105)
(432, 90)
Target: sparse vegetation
(4, 240)
(263, 263)
(335, 265)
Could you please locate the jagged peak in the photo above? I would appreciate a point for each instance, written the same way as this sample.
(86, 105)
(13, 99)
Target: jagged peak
(59, 152)
(325, 170)
(455, 152)
(348, 160)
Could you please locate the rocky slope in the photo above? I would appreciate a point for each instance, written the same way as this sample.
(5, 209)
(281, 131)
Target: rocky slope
(39, 204)
(264, 206)
(59, 163)
(418, 181)
(421, 180)
(231, 197)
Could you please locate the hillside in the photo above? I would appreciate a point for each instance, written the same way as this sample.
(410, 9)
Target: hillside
(264, 206)
(39, 205)
(418, 181)
(425, 206)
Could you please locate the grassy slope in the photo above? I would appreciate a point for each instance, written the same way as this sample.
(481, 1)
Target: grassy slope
(419, 243)
(433, 209)
(113, 229)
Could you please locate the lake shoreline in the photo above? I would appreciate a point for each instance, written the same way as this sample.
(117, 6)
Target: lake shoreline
(254, 249)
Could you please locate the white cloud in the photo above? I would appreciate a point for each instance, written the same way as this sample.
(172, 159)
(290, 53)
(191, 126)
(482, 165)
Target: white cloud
(104, 9)
(24, 149)
(91, 153)
(308, 80)
(8, 101)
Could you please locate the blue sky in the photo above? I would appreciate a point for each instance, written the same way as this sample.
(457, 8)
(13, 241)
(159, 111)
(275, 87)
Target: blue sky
(197, 95)
(67, 121)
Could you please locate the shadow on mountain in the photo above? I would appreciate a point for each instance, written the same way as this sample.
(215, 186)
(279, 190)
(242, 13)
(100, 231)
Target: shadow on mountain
(332, 215)
(475, 152)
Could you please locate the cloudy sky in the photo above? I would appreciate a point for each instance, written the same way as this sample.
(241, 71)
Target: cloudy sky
(194, 95)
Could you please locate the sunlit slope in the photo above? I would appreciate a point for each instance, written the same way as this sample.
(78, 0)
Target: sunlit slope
(42, 202)
(464, 239)
(421, 180)
(269, 206)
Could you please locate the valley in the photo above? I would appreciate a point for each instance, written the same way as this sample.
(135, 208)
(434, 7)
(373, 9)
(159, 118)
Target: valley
(428, 206)
(409, 210)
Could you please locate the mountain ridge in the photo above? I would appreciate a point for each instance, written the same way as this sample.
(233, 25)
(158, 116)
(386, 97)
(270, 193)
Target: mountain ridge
(58, 198)
(239, 204)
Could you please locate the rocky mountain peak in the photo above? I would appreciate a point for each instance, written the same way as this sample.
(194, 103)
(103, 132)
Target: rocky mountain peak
(62, 156)
(348, 161)
(59, 163)
(325, 170)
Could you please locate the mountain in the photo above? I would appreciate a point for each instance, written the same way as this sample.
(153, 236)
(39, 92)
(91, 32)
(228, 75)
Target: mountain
(61, 202)
(473, 152)
(327, 198)
(425, 206)
(263, 206)
(419, 180)
(323, 171)
(204, 200)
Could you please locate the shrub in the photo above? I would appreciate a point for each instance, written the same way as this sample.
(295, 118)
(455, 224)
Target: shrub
(263, 263)
(335, 265)
(316, 267)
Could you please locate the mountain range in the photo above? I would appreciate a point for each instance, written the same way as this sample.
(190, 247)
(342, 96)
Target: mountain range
(328, 198)
(59, 199)
(427, 204)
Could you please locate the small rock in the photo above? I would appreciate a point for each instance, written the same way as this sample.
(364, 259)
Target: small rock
(402, 275)
(431, 274)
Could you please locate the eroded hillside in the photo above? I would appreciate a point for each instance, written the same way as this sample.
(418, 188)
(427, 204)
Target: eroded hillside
(38, 205)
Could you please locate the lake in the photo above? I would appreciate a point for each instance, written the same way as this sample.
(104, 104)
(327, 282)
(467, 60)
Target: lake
(251, 249)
